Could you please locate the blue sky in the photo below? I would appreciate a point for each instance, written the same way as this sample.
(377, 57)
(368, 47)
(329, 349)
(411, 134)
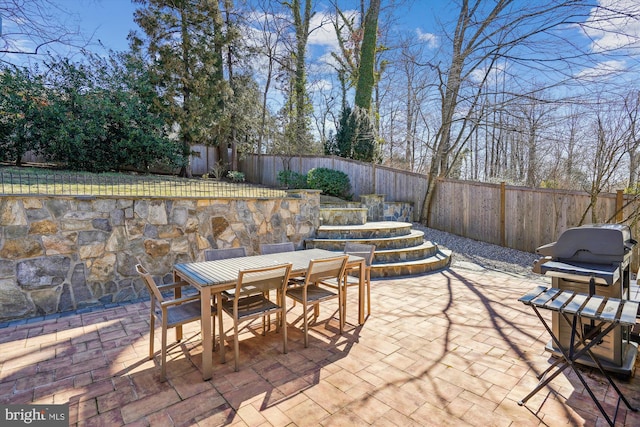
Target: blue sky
(113, 19)
(109, 21)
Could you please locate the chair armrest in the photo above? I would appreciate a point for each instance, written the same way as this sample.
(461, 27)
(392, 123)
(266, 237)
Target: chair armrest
(173, 285)
(179, 301)
(296, 281)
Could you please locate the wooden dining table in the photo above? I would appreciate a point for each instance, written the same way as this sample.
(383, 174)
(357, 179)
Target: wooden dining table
(213, 277)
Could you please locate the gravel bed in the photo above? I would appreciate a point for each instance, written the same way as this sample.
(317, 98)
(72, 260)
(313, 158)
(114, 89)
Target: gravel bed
(485, 255)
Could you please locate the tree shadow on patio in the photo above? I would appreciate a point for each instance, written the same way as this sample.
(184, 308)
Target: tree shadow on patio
(98, 363)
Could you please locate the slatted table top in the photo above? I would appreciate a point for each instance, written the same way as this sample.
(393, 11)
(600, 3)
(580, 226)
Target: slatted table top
(592, 307)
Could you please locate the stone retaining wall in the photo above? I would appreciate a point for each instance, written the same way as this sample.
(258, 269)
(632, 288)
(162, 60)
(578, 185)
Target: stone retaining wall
(380, 210)
(343, 216)
(65, 253)
(398, 211)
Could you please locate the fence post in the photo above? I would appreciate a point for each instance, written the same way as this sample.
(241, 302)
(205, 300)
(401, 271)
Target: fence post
(619, 205)
(373, 177)
(503, 239)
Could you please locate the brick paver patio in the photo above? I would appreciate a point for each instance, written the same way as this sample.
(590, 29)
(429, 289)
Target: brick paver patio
(448, 348)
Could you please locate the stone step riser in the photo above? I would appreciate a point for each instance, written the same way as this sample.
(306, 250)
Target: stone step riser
(369, 230)
(347, 234)
(421, 252)
(393, 270)
(343, 216)
(337, 244)
(384, 256)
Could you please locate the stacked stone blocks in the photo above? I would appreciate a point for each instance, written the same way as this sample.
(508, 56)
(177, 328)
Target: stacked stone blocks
(65, 253)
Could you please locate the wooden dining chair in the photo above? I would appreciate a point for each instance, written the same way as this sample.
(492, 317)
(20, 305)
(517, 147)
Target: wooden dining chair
(224, 253)
(273, 248)
(312, 291)
(171, 312)
(249, 301)
(352, 274)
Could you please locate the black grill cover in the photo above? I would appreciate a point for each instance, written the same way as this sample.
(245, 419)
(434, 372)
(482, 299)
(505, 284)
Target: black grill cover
(592, 243)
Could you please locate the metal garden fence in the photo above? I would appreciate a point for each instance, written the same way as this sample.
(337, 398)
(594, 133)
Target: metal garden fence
(15, 182)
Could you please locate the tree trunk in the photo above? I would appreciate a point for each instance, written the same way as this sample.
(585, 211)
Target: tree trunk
(301, 23)
(366, 79)
(218, 75)
(532, 161)
(185, 171)
(234, 133)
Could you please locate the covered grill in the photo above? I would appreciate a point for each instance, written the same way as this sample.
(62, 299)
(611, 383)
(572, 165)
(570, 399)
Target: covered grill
(593, 259)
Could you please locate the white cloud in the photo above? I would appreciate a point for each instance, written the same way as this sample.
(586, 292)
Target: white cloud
(494, 75)
(323, 33)
(614, 24)
(431, 39)
(321, 85)
(329, 62)
(603, 69)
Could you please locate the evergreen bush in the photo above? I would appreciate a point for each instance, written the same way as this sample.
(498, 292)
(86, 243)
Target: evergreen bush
(331, 182)
(293, 180)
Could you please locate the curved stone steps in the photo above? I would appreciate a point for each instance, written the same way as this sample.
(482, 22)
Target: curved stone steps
(400, 250)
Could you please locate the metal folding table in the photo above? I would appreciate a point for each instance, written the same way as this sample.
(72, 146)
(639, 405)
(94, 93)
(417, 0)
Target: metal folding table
(606, 314)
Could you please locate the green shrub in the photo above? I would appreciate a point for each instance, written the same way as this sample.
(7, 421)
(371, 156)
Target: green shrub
(236, 176)
(291, 179)
(331, 182)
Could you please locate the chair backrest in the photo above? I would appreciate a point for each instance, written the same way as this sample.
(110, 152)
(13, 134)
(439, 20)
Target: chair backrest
(273, 248)
(257, 280)
(361, 250)
(151, 284)
(215, 254)
(326, 268)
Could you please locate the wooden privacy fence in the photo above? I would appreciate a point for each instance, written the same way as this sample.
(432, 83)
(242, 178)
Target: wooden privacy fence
(518, 217)
(366, 178)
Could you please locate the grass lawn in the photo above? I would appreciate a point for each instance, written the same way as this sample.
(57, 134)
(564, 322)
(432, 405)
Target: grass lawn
(43, 181)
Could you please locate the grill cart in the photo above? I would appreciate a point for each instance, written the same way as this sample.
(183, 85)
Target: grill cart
(593, 259)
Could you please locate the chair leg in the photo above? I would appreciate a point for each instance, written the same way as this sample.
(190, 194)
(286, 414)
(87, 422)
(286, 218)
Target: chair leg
(284, 333)
(279, 314)
(368, 283)
(343, 305)
(306, 327)
(163, 361)
(341, 302)
(266, 322)
(213, 332)
(213, 323)
(281, 319)
(236, 345)
(221, 331)
(152, 326)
